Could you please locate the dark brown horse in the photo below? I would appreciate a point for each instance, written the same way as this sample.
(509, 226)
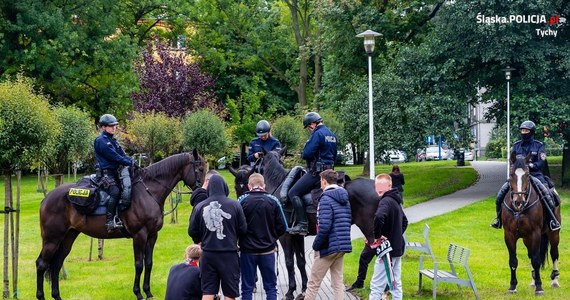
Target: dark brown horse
(523, 217)
(61, 224)
(363, 200)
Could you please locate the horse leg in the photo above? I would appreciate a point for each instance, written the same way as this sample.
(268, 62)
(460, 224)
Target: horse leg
(532, 243)
(287, 246)
(139, 243)
(299, 248)
(513, 262)
(148, 264)
(554, 239)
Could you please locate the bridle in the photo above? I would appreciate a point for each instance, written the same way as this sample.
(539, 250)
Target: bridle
(194, 163)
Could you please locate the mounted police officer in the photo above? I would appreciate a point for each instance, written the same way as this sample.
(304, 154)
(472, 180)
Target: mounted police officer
(320, 153)
(264, 141)
(528, 145)
(110, 157)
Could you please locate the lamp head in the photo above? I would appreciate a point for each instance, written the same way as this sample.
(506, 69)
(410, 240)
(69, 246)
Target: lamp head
(508, 72)
(369, 43)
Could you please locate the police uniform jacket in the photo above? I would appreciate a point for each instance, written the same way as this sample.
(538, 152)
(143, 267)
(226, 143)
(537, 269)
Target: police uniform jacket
(537, 156)
(265, 222)
(321, 146)
(391, 222)
(109, 154)
(334, 218)
(258, 145)
(217, 222)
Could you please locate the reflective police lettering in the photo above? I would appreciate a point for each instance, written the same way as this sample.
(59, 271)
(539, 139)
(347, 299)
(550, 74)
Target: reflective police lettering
(330, 139)
(79, 192)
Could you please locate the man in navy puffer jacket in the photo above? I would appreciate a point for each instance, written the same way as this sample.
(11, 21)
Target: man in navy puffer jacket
(332, 241)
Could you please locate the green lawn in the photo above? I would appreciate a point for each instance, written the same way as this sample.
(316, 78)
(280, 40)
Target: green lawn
(112, 277)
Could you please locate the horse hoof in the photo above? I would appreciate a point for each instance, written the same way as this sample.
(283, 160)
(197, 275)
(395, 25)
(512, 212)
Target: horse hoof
(539, 293)
(301, 296)
(532, 285)
(555, 284)
(512, 291)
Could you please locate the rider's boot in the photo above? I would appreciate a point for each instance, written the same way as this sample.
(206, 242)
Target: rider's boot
(301, 227)
(111, 208)
(546, 198)
(498, 204)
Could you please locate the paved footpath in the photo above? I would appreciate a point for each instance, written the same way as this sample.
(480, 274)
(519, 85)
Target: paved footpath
(491, 176)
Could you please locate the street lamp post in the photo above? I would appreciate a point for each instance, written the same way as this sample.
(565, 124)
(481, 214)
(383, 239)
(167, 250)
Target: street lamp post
(508, 71)
(369, 44)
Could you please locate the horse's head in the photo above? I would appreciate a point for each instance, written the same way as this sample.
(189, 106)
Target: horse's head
(195, 172)
(519, 181)
(270, 158)
(241, 178)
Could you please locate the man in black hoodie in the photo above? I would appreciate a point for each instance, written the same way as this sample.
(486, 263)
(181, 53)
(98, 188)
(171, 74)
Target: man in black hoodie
(390, 222)
(200, 194)
(217, 223)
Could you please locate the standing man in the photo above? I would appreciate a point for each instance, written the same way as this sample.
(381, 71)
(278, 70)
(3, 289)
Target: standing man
(218, 222)
(265, 223)
(332, 241)
(200, 194)
(320, 153)
(110, 156)
(264, 141)
(390, 222)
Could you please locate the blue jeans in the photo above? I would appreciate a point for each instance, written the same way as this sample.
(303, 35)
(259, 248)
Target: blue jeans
(249, 264)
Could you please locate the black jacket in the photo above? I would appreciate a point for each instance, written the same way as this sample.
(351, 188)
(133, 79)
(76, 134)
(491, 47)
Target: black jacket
(391, 222)
(218, 221)
(265, 222)
(198, 195)
(183, 283)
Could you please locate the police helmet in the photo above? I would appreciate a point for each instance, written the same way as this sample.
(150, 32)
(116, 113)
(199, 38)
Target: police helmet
(311, 117)
(262, 128)
(108, 120)
(528, 125)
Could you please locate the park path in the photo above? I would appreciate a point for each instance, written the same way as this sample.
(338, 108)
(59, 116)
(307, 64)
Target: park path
(491, 176)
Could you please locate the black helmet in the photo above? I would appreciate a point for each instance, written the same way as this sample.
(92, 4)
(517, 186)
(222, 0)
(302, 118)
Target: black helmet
(108, 120)
(311, 117)
(528, 125)
(262, 128)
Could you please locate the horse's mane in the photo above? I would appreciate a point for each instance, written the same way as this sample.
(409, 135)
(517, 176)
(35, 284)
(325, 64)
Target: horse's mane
(273, 171)
(169, 165)
(519, 163)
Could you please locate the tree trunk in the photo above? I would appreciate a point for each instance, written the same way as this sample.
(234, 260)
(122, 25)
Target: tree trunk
(566, 166)
(7, 200)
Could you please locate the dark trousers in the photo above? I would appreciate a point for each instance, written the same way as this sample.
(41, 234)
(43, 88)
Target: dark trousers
(305, 185)
(366, 257)
(266, 263)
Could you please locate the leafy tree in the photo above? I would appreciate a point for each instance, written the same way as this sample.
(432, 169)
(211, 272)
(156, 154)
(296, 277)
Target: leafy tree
(27, 124)
(155, 134)
(169, 83)
(75, 140)
(289, 131)
(204, 131)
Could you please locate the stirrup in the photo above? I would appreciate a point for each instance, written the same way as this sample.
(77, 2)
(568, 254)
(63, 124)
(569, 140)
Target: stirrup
(496, 223)
(554, 225)
(117, 222)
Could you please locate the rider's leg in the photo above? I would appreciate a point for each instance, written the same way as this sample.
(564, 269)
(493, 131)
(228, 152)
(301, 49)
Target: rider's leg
(498, 204)
(546, 198)
(304, 185)
(114, 193)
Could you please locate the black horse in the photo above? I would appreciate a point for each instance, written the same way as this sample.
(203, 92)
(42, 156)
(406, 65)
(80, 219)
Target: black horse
(363, 200)
(61, 223)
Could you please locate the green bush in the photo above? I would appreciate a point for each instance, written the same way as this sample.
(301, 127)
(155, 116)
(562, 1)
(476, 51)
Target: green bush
(205, 132)
(289, 131)
(495, 149)
(27, 124)
(155, 134)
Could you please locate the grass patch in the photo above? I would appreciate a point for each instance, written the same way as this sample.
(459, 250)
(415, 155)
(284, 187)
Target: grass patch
(112, 278)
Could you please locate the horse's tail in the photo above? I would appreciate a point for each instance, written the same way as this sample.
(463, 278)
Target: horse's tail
(544, 242)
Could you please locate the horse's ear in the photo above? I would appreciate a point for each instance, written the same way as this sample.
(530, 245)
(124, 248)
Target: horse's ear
(251, 171)
(232, 170)
(513, 157)
(195, 154)
(527, 159)
(264, 152)
(283, 151)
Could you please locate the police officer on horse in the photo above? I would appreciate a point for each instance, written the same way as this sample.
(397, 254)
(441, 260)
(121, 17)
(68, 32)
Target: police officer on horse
(110, 156)
(264, 141)
(528, 145)
(320, 154)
